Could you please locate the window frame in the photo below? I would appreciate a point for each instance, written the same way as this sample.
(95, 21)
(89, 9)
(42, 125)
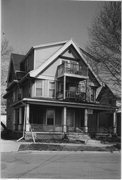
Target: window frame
(51, 89)
(39, 88)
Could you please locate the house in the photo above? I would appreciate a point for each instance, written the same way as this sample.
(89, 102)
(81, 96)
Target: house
(53, 89)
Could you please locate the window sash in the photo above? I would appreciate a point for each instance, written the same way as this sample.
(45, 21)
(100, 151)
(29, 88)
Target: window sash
(51, 89)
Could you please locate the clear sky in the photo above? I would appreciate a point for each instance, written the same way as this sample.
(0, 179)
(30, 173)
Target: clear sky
(33, 22)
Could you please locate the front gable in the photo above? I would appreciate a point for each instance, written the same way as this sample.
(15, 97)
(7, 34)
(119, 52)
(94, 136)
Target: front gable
(70, 51)
(69, 56)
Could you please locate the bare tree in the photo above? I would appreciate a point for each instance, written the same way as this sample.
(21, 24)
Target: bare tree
(105, 42)
(5, 56)
(5, 48)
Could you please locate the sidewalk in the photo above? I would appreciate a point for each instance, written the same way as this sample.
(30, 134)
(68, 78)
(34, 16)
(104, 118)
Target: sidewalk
(10, 145)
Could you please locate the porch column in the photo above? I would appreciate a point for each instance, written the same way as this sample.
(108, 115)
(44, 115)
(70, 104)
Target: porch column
(98, 121)
(14, 128)
(20, 119)
(64, 87)
(114, 122)
(64, 119)
(27, 109)
(86, 120)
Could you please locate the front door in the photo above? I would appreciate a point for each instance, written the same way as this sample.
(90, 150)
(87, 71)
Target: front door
(71, 119)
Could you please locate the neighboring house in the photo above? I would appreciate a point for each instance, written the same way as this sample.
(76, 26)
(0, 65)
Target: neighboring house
(53, 89)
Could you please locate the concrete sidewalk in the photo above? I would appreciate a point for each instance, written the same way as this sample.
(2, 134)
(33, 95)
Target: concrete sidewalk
(10, 145)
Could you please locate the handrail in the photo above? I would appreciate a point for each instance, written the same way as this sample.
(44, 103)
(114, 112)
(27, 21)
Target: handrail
(71, 68)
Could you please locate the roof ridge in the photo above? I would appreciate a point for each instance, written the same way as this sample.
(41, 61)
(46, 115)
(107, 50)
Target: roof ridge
(49, 44)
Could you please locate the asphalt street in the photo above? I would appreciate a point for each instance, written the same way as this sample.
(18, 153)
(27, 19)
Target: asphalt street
(71, 165)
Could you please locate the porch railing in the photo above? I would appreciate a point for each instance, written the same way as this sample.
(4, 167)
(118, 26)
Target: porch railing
(46, 128)
(71, 68)
(101, 130)
(78, 96)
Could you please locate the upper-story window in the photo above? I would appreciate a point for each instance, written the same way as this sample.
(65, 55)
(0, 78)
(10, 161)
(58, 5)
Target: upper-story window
(51, 89)
(39, 84)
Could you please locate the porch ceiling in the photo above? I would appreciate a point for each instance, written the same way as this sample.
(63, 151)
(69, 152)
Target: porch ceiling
(52, 102)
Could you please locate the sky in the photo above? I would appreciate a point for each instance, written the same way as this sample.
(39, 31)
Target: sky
(26, 23)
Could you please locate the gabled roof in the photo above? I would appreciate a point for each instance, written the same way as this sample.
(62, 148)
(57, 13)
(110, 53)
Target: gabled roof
(15, 59)
(49, 44)
(105, 76)
(103, 88)
(65, 45)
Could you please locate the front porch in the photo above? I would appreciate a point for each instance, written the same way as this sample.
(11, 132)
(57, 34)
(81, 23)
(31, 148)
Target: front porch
(52, 119)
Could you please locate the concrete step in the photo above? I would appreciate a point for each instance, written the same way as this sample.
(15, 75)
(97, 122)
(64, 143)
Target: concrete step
(90, 141)
(78, 136)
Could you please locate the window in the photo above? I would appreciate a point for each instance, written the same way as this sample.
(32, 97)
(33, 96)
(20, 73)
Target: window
(50, 115)
(39, 88)
(51, 89)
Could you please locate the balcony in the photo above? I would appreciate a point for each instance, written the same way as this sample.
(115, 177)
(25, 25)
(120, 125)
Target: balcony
(72, 96)
(72, 69)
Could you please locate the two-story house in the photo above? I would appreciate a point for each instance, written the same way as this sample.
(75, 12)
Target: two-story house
(53, 88)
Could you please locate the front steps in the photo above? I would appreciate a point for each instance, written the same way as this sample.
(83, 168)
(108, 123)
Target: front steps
(84, 138)
(71, 136)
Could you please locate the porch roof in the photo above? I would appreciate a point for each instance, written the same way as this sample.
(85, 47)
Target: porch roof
(53, 102)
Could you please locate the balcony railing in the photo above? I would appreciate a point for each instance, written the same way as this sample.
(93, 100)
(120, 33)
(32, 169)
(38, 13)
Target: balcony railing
(72, 96)
(71, 68)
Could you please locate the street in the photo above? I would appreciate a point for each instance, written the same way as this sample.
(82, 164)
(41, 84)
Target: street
(72, 165)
